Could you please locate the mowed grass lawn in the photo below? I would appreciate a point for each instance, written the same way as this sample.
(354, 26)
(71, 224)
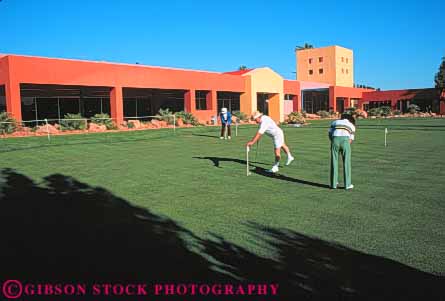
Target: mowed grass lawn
(395, 211)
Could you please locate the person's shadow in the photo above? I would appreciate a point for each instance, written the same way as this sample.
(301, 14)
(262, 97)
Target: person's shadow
(206, 135)
(261, 171)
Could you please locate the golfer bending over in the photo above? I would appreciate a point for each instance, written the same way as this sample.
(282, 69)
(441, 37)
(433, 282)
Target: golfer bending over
(268, 126)
(226, 122)
(341, 134)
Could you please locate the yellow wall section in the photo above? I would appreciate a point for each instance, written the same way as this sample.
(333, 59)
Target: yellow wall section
(246, 97)
(345, 67)
(265, 80)
(275, 107)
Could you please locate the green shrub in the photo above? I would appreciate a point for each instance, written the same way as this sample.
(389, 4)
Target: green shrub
(165, 115)
(385, 111)
(130, 125)
(240, 115)
(413, 108)
(296, 117)
(104, 119)
(68, 123)
(359, 113)
(323, 114)
(397, 112)
(187, 118)
(375, 112)
(10, 126)
(351, 111)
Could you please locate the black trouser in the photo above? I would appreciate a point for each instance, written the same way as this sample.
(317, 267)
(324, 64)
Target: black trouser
(229, 131)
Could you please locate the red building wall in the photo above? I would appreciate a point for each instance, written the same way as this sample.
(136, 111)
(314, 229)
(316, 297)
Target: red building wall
(37, 70)
(293, 87)
(346, 93)
(395, 95)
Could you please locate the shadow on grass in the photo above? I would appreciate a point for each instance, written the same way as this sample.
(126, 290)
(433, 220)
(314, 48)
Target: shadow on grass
(312, 269)
(65, 230)
(261, 171)
(205, 135)
(216, 160)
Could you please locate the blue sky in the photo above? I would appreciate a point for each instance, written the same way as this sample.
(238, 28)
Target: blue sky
(397, 44)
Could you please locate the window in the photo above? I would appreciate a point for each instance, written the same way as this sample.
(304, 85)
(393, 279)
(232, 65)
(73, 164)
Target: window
(311, 72)
(342, 70)
(346, 71)
(346, 60)
(342, 59)
(320, 60)
(2, 103)
(2, 99)
(315, 101)
(320, 71)
(288, 97)
(378, 104)
(229, 100)
(310, 61)
(201, 100)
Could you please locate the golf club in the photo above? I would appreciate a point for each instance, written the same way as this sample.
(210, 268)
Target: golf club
(248, 173)
(256, 151)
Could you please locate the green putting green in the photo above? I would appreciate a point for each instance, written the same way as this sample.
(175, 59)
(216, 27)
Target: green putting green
(396, 209)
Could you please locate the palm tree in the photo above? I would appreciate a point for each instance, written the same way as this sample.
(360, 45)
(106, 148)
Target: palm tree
(305, 46)
(242, 67)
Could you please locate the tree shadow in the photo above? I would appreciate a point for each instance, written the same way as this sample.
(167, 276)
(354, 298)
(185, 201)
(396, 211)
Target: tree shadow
(312, 269)
(261, 171)
(65, 230)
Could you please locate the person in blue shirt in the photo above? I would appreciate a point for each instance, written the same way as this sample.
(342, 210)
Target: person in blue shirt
(341, 134)
(226, 121)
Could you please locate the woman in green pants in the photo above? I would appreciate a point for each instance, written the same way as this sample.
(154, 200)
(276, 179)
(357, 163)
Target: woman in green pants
(341, 134)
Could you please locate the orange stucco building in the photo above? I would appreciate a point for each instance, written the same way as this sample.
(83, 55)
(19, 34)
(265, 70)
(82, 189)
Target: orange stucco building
(32, 85)
(35, 88)
(333, 65)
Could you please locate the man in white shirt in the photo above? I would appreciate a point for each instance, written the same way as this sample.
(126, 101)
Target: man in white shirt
(270, 128)
(341, 134)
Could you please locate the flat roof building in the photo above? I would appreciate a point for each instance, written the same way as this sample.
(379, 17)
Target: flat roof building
(35, 88)
(332, 65)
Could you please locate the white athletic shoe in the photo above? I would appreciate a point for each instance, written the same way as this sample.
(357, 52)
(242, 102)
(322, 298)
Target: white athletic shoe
(289, 160)
(229, 137)
(274, 169)
(221, 138)
(335, 187)
(350, 187)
